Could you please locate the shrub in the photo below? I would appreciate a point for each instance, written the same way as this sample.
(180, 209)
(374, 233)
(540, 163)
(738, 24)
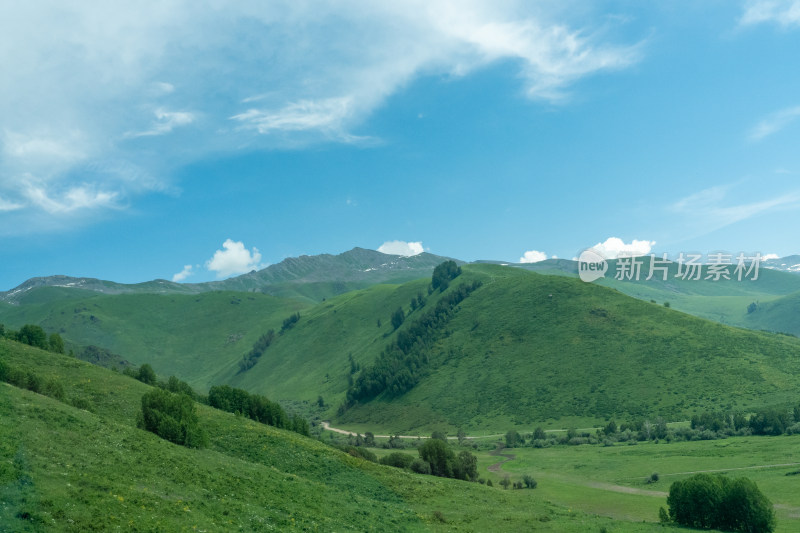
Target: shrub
(54, 389)
(172, 417)
(146, 374)
(398, 460)
(529, 481)
(361, 453)
(420, 467)
(34, 382)
(56, 343)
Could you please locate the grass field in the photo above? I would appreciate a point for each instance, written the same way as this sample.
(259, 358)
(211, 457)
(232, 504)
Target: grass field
(610, 481)
(69, 469)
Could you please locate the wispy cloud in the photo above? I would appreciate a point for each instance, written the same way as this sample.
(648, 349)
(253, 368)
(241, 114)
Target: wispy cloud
(166, 121)
(774, 123)
(786, 13)
(330, 116)
(76, 198)
(257, 73)
(710, 209)
(5, 205)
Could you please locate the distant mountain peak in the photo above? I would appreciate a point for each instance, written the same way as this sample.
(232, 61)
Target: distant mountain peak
(355, 268)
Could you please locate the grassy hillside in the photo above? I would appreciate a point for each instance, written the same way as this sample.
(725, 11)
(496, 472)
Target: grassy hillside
(198, 337)
(781, 315)
(723, 301)
(523, 349)
(69, 469)
(527, 348)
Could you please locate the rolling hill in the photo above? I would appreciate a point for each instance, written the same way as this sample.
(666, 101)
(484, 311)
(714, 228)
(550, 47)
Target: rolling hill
(781, 315)
(527, 348)
(198, 337)
(64, 468)
(524, 348)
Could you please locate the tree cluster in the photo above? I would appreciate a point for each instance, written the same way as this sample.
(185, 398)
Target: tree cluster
(31, 381)
(444, 462)
(435, 457)
(289, 322)
(443, 274)
(706, 501)
(399, 367)
(35, 336)
(255, 407)
(260, 346)
(172, 417)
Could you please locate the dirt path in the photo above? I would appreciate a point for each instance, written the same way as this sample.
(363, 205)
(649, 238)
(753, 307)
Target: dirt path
(327, 425)
(625, 490)
(497, 452)
(731, 469)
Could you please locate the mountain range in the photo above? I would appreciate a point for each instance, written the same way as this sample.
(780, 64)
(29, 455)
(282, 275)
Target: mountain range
(532, 343)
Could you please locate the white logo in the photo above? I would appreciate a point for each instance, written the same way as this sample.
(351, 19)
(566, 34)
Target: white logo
(591, 265)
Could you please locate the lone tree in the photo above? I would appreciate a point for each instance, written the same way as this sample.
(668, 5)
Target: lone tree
(398, 317)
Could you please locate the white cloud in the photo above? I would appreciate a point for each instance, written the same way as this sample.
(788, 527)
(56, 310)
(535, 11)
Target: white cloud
(533, 256)
(783, 12)
(401, 248)
(774, 123)
(100, 84)
(234, 259)
(614, 247)
(183, 274)
(769, 257)
(166, 121)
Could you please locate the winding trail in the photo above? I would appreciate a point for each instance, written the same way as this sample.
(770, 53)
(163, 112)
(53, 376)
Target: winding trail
(498, 452)
(327, 425)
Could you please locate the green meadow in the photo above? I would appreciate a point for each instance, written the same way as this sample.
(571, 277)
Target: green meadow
(64, 468)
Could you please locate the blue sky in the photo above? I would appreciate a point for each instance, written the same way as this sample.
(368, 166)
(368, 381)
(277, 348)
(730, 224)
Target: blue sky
(202, 141)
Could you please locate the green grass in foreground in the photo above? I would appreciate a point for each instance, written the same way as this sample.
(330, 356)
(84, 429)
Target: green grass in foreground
(67, 469)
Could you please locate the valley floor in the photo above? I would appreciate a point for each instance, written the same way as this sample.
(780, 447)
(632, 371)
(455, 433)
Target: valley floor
(611, 481)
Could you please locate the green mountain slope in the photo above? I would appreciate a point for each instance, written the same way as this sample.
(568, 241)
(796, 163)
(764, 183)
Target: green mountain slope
(200, 338)
(527, 348)
(69, 469)
(524, 348)
(781, 315)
